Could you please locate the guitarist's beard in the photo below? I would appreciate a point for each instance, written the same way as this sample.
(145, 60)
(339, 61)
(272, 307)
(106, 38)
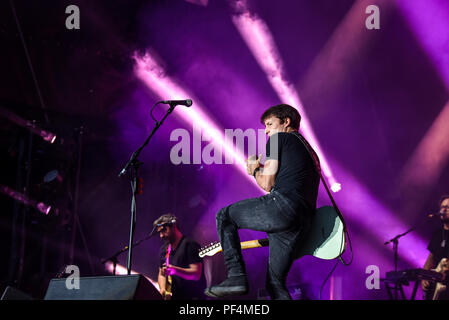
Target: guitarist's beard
(169, 239)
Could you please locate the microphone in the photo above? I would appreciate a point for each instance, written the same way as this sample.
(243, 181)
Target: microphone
(186, 102)
(432, 215)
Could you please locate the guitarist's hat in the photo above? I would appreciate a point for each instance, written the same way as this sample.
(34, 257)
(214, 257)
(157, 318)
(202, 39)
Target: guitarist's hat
(166, 220)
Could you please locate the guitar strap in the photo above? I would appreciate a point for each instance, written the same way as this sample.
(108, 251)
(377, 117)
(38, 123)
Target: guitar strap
(316, 160)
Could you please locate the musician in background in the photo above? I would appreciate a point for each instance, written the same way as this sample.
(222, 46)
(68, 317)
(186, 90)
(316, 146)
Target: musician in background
(185, 266)
(439, 249)
(441, 289)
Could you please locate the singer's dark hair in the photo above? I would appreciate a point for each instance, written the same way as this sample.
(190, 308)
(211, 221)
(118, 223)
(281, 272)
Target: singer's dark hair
(444, 197)
(283, 111)
(166, 219)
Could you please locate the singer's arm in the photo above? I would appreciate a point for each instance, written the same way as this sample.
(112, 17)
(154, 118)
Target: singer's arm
(266, 175)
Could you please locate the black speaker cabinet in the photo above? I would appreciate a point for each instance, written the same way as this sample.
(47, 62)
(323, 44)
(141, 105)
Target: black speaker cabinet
(11, 293)
(128, 287)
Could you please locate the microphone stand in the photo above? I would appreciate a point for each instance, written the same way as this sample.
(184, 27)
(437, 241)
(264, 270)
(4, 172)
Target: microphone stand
(134, 163)
(395, 241)
(114, 257)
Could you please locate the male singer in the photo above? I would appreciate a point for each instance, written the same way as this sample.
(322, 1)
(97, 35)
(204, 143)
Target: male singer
(291, 178)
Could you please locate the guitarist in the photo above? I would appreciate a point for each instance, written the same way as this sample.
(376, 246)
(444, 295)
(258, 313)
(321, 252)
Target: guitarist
(185, 268)
(291, 178)
(438, 246)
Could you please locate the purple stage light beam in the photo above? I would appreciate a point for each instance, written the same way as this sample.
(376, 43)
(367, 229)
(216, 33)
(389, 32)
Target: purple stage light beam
(149, 71)
(121, 270)
(429, 22)
(259, 40)
(362, 207)
(203, 3)
(430, 157)
(348, 41)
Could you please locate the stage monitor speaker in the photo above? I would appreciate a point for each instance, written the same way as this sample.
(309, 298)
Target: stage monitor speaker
(128, 287)
(11, 293)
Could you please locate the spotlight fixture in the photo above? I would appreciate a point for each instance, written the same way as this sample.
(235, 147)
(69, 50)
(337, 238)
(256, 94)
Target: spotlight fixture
(40, 206)
(48, 136)
(29, 125)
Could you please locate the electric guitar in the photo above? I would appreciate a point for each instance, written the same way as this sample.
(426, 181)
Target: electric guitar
(168, 280)
(325, 240)
(439, 288)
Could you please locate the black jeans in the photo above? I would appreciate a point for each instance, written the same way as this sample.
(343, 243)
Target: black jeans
(285, 223)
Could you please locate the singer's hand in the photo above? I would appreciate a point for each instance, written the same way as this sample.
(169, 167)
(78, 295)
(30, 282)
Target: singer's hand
(252, 163)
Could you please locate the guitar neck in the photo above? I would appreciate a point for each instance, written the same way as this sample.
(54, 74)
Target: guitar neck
(213, 249)
(168, 279)
(254, 244)
(250, 244)
(325, 240)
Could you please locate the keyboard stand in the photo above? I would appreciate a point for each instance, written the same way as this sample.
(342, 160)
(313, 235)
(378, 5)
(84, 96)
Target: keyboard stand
(396, 287)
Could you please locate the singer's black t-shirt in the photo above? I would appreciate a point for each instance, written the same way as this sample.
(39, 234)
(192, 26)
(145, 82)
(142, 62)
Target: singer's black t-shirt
(297, 177)
(185, 254)
(439, 238)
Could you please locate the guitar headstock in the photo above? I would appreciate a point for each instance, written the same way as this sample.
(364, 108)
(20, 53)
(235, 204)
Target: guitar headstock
(210, 250)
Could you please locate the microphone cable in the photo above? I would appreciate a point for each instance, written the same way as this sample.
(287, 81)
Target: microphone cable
(339, 258)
